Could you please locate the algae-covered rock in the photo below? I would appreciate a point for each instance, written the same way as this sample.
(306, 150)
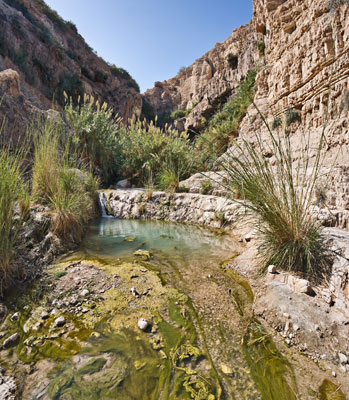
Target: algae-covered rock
(142, 253)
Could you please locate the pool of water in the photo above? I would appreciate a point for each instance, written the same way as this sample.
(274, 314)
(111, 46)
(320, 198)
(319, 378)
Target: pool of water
(202, 343)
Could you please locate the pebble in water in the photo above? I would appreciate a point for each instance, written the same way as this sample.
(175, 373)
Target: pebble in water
(143, 324)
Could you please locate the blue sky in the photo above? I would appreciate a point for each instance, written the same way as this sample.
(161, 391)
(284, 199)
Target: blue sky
(153, 39)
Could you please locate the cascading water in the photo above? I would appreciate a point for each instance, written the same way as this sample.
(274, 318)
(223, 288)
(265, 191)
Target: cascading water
(102, 198)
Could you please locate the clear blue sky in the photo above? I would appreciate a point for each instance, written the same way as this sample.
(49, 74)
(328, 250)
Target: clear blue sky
(153, 39)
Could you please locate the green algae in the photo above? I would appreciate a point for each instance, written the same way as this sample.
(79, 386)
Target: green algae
(271, 372)
(330, 391)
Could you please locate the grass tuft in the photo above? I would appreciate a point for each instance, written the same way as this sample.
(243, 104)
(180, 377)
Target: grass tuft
(279, 196)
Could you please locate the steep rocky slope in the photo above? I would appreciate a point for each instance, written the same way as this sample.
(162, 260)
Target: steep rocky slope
(52, 58)
(301, 52)
(208, 82)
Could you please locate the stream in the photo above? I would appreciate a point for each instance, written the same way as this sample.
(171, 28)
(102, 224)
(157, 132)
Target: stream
(202, 341)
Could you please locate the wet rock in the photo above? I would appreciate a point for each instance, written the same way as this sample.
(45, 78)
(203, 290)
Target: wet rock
(60, 321)
(343, 359)
(15, 316)
(44, 315)
(142, 253)
(11, 341)
(143, 324)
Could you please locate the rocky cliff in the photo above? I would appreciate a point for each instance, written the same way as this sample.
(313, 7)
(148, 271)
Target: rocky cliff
(301, 52)
(52, 58)
(208, 82)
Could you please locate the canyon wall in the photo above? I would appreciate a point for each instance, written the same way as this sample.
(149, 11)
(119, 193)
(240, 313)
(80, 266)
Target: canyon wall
(301, 52)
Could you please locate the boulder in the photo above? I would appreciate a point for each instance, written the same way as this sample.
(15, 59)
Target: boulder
(9, 82)
(11, 341)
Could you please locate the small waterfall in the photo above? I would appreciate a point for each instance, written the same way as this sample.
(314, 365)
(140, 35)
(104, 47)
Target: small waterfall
(102, 198)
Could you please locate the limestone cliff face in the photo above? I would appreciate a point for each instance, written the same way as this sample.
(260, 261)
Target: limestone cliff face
(51, 57)
(305, 60)
(208, 81)
(306, 67)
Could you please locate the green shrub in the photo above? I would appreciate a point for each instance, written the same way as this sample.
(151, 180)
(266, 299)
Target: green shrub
(279, 197)
(292, 116)
(168, 179)
(178, 114)
(72, 26)
(69, 86)
(87, 73)
(13, 192)
(95, 131)
(276, 123)
(223, 126)
(146, 147)
(121, 73)
(57, 182)
(100, 76)
(233, 60)
(206, 187)
(181, 69)
(261, 48)
(335, 4)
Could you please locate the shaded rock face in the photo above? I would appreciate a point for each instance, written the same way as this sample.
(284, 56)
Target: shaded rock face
(208, 81)
(51, 57)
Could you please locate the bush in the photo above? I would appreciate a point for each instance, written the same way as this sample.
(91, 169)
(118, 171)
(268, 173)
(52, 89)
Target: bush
(95, 131)
(13, 192)
(178, 114)
(87, 73)
(276, 123)
(291, 116)
(100, 76)
(69, 86)
(147, 148)
(206, 187)
(223, 126)
(57, 182)
(334, 4)
(233, 60)
(121, 73)
(279, 197)
(261, 48)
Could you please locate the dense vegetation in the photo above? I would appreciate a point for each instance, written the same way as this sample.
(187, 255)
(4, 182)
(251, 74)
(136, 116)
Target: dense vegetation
(223, 126)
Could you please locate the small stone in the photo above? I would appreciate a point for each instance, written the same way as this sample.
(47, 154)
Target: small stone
(272, 269)
(143, 324)
(44, 315)
(11, 341)
(343, 359)
(54, 312)
(334, 374)
(209, 276)
(295, 327)
(85, 310)
(84, 293)
(288, 341)
(291, 335)
(15, 316)
(60, 321)
(225, 369)
(134, 291)
(286, 315)
(316, 327)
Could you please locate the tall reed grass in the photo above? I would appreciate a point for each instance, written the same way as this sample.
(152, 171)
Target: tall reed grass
(14, 200)
(279, 196)
(61, 182)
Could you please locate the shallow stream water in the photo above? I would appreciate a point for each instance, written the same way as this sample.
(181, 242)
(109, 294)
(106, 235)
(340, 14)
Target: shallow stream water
(202, 342)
